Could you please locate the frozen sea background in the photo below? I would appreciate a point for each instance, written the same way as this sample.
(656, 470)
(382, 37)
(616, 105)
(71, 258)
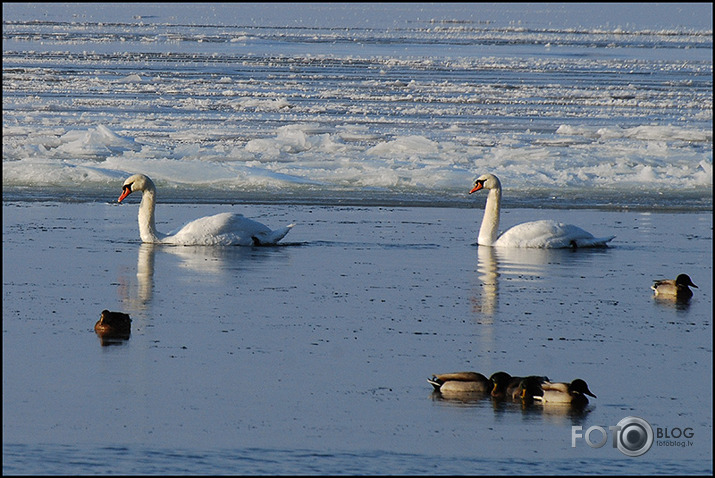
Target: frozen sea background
(365, 125)
(397, 107)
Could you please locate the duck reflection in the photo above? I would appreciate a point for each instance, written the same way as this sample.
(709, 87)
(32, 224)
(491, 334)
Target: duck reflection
(556, 414)
(559, 415)
(459, 397)
(679, 305)
(564, 413)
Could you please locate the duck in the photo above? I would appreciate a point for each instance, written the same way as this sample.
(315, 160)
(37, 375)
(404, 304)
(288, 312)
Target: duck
(506, 386)
(113, 324)
(678, 289)
(573, 393)
(528, 388)
(546, 234)
(500, 382)
(460, 382)
(224, 229)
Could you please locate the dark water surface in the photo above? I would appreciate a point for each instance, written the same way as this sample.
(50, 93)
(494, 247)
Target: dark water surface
(312, 357)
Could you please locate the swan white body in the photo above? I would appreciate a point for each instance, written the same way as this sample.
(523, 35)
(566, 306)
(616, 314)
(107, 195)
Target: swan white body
(545, 234)
(225, 229)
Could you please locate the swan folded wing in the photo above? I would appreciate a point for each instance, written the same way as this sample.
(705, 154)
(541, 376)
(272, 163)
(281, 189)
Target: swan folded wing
(594, 242)
(225, 229)
(549, 234)
(568, 235)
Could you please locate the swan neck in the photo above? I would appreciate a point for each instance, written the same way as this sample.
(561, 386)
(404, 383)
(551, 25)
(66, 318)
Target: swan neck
(147, 226)
(490, 222)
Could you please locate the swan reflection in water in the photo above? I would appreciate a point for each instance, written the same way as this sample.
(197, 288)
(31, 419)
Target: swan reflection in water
(485, 302)
(514, 263)
(520, 264)
(214, 261)
(137, 294)
(145, 273)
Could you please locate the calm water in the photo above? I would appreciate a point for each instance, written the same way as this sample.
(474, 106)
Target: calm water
(313, 357)
(366, 129)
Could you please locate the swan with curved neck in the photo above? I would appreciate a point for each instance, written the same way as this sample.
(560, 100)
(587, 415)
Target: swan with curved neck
(542, 234)
(225, 229)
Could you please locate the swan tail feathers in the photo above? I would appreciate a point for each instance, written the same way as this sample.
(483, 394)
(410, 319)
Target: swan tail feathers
(592, 241)
(271, 237)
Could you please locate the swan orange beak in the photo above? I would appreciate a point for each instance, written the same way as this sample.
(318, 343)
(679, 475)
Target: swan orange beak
(126, 192)
(476, 188)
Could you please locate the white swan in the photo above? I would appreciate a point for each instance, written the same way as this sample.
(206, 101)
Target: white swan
(225, 229)
(543, 234)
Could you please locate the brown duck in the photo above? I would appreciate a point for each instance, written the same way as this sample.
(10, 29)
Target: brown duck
(115, 325)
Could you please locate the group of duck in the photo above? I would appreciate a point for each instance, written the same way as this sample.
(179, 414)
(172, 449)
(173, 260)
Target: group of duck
(535, 388)
(502, 386)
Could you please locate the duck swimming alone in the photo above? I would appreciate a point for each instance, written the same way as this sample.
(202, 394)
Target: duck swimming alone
(460, 382)
(676, 289)
(113, 325)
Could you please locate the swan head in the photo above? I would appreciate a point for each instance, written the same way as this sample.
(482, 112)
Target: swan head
(486, 181)
(138, 182)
